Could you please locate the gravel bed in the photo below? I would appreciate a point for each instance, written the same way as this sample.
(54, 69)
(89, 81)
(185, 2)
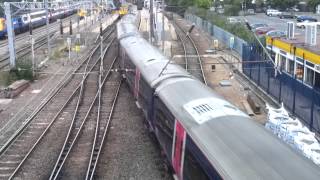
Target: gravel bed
(129, 152)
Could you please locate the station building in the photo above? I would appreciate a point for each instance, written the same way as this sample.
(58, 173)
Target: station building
(297, 58)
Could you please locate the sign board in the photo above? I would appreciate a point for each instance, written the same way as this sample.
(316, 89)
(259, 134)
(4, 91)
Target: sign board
(231, 42)
(215, 43)
(69, 41)
(78, 36)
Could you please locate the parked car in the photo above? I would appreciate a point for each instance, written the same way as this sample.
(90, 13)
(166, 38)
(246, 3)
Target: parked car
(294, 9)
(306, 18)
(232, 20)
(276, 33)
(250, 12)
(287, 15)
(263, 30)
(304, 23)
(273, 12)
(257, 25)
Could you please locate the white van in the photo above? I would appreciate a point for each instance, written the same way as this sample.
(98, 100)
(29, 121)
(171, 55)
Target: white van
(273, 12)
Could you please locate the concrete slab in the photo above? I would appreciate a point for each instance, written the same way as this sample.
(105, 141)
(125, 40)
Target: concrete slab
(5, 101)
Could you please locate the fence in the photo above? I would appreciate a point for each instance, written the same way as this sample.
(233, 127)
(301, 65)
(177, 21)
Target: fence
(223, 36)
(301, 100)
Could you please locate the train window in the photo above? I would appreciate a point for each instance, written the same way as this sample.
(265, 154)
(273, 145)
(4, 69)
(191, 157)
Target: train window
(299, 71)
(283, 60)
(290, 66)
(317, 80)
(25, 18)
(309, 76)
(192, 169)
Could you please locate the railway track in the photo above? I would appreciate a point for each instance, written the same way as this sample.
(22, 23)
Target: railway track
(25, 50)
(39, 41)
(71, 163)
(51, 114)
(193, 62)
(40, 30)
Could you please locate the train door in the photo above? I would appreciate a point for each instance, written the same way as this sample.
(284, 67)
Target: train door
(136, 83)
(178, 147)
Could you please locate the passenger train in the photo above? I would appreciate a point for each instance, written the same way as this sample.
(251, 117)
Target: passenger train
(202, 135)
(21, 23)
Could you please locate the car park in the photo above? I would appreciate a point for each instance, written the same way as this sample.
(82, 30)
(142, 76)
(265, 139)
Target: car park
(276, 33)
(250, 12)
(305, 23)
(287, 15)
(306, 18)
(273, 12)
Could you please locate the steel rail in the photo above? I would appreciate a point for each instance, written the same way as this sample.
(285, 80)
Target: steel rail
(196, 49)
(51, 95)
(184, 48)
(25, 50)
(70, 141)
(97, 145)
(41, 29)
(42, 40)
(78, 88)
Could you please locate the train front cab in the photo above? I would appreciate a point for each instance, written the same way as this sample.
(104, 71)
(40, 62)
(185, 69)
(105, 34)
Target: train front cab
(3, 30)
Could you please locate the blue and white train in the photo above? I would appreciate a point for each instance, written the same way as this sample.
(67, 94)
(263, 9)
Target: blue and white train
(202, 135)
(23, 22)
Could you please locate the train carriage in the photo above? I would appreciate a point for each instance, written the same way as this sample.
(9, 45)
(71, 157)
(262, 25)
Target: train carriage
(202, 135)
(3, 28)
(21, 23)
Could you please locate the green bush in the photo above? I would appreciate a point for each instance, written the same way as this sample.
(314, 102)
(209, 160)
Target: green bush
(239, 30)
(231, 10)
(24, 69)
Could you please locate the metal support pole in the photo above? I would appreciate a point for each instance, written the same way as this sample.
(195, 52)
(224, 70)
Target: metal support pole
(30, 27)
(91, 14)
(47, 26)
(32, 55)
(70, 27)
(11, 38)
(101, 55)
(78, 24)
(163, 33)
(151, 21)
(61, 27)
(69, 47)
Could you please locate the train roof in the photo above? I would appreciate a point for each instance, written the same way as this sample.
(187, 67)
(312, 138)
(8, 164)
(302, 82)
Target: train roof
(235, 145)
(149, 60)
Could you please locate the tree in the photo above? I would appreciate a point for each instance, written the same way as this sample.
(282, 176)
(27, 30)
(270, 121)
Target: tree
(313, 4)
(282, 4)
(203, 3)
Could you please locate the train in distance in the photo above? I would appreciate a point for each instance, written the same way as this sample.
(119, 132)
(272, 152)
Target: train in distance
(23, 22)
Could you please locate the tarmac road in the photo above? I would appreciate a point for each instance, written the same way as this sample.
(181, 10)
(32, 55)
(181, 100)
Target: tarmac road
(275, 22)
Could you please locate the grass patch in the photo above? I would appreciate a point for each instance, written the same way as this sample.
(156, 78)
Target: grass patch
(239, 30)
(23, 71)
